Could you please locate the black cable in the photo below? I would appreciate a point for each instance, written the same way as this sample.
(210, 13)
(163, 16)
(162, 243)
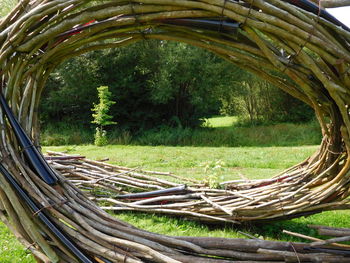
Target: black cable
(173, 190)
(53, 228)
(34, 157)
(223, 26)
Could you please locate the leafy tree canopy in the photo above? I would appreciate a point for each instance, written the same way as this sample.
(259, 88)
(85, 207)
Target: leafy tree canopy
(159, 83)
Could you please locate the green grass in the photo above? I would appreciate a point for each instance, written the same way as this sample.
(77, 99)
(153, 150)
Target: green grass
(253, 162)
(11, 251)
(216, 132)
(268, 231)
(284, 134)
(65, 134)
(220, 121)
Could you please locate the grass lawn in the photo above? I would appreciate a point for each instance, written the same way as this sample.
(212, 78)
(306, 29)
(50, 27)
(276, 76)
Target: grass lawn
(253, 162)
(11, 251)
(220, 121)
(216, 132)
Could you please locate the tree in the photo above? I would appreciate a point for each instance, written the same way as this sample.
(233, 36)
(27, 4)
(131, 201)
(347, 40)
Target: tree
(257, 101)
(157, 82)
(101, 117)
(71, 90)
(162, 83)
(188, 81)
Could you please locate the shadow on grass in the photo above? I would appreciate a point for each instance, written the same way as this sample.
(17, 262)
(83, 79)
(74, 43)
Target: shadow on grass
(179, 226)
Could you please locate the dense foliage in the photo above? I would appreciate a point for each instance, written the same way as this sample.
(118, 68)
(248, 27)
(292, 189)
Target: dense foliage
(256, 101)
(159, 83)
(154, 83)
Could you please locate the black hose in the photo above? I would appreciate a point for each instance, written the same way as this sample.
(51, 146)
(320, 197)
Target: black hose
(173, 190)
(53, 228)
(35, 159)
(222, 26)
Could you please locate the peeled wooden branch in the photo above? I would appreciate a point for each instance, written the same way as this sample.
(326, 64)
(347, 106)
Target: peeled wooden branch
(334, 3)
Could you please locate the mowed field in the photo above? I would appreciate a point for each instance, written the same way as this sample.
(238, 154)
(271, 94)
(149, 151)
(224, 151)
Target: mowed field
(251, 162)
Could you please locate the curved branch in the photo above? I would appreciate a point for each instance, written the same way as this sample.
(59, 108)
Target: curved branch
(335, 3)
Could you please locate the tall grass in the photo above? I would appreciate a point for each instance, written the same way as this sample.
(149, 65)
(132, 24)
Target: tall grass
(66, 134)
(218, 134)
(286, 134)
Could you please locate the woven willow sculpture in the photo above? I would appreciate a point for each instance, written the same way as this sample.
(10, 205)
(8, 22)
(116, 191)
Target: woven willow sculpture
(294, 47)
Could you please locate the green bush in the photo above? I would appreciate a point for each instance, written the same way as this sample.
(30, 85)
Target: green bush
(101, 116)
(100, 137)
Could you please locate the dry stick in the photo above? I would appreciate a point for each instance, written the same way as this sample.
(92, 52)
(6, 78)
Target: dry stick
(313, 238)
(216, 205)
(26, 221)
(158, 257)
(331, 231)
(113, 175)
(247, 235)
(117, 167)
(334, 3)
(329, 241)
(304, 257)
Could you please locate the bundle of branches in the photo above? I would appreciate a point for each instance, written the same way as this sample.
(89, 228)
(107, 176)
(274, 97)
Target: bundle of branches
(295, 45)
(319, 250)
(131, 189)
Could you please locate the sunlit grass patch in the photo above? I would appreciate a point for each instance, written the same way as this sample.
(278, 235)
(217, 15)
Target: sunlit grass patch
(11, 251)
(220, 121)
(253, 162)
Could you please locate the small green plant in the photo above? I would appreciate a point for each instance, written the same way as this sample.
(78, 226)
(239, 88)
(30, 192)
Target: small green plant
(100, 115)
(214, 173)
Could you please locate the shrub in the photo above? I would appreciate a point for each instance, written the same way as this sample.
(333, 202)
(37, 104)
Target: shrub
(100, 115)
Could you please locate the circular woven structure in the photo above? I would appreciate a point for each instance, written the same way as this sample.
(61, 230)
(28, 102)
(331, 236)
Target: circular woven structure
(296, 46)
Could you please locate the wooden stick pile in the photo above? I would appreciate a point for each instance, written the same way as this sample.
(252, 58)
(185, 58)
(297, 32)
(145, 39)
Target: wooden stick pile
(297, 48)
(111, 185)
